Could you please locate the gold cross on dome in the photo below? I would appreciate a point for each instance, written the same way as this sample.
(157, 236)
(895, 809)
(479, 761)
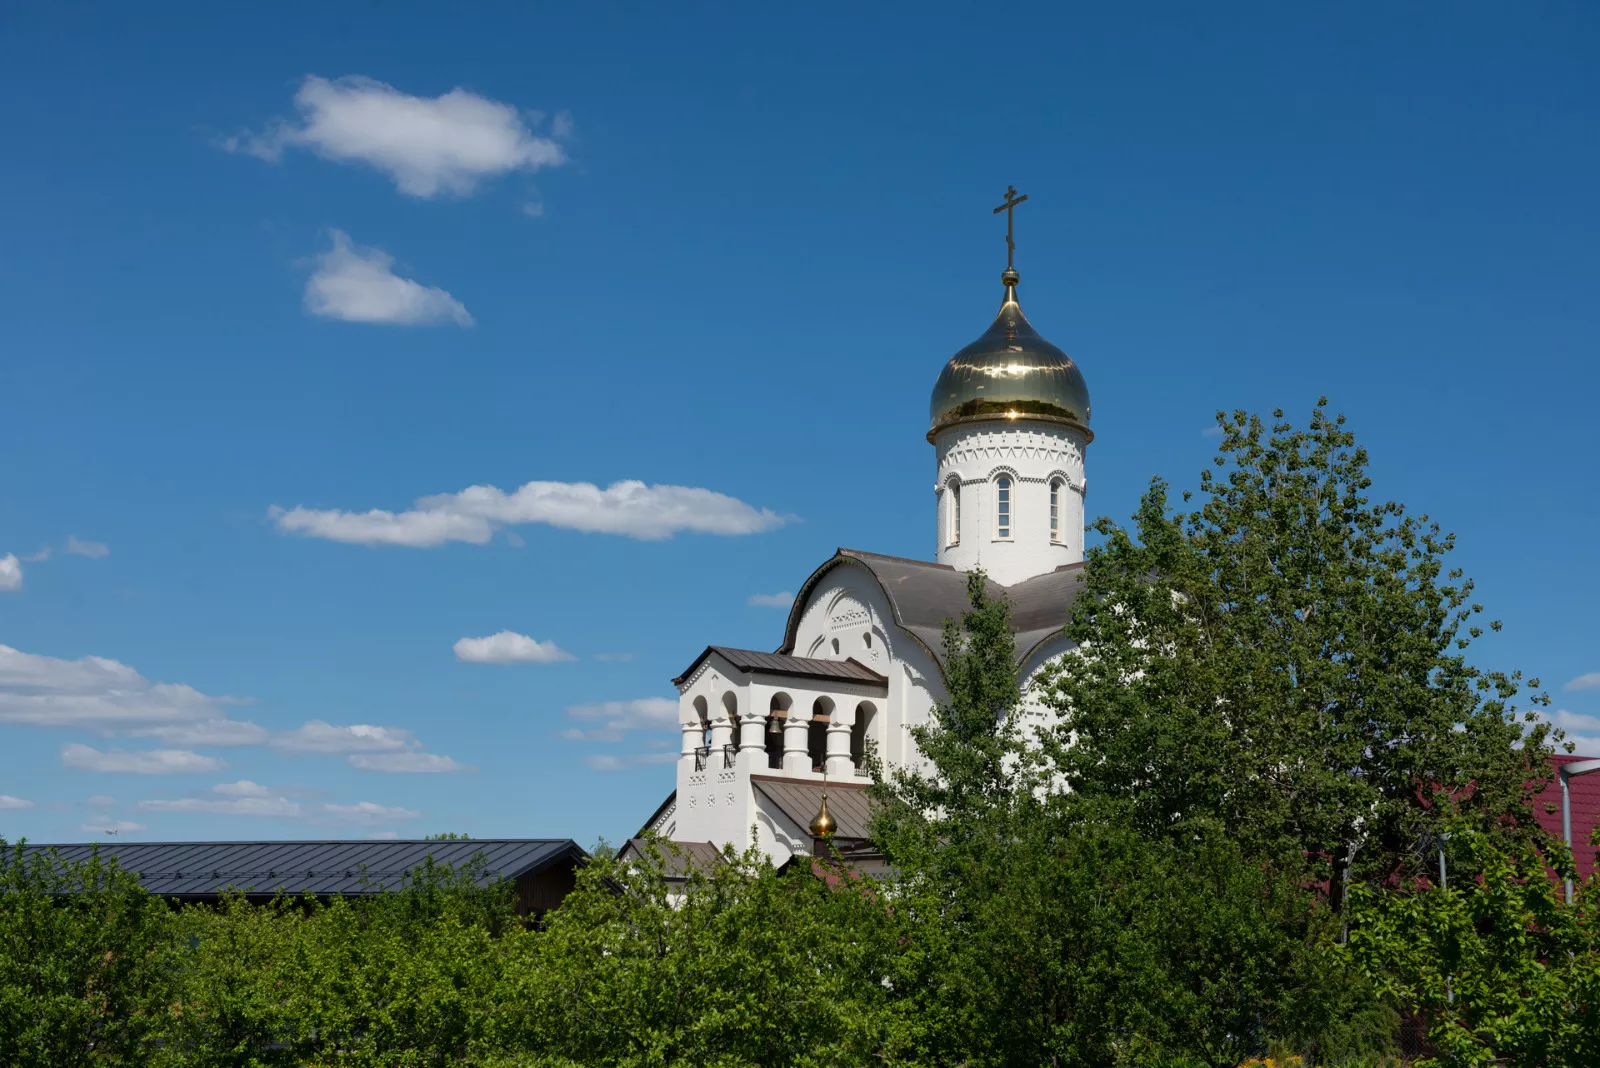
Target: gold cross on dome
(1012, 200)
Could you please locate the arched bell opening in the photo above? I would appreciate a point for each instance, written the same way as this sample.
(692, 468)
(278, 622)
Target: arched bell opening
(860, 731)
(817, 732)
(777, 717)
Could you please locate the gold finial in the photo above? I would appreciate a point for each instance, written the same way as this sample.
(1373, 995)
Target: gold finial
(1010, 277)
(822, 823)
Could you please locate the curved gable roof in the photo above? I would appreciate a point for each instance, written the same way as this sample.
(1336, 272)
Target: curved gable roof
(923, 595)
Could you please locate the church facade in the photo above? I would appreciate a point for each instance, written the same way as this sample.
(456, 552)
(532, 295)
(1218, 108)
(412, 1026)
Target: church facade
(764, 734)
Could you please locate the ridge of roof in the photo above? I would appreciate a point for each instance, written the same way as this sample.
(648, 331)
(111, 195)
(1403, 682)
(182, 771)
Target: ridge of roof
(756, 661)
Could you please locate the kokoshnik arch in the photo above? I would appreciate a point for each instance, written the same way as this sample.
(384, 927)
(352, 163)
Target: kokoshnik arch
(767, 735)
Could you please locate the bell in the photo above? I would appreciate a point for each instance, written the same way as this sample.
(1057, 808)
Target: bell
(774, 726)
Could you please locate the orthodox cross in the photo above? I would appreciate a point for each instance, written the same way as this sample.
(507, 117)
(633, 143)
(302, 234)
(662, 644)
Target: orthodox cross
(1012, 200)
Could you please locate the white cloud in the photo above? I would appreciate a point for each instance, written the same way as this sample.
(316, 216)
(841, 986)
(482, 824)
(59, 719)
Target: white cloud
(7, 801)
(427, 145)
(10, 573)
(280, 807)
(407, 762)
(1583, 731)
(94, 550)
(1211, 432)
(106, 825)
(355, 283)
(37, 558)
(101, 801)
(107, 697)
(137, 761)
(1589, 681)
(770, 600)
(207, 732)
(616, 717)
(629, 508)
(242, 788)
(366, 813)
(316, 736)
(607, 762)
(509, 647)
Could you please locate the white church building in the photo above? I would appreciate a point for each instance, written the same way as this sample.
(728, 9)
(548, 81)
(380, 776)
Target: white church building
(765, 733)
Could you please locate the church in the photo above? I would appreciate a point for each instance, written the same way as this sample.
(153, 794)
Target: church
(770, 740)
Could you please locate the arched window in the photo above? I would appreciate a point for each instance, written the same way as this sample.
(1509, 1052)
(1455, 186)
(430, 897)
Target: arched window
(953, 535)
(1055, 509)
(866, 712)
(1002, 506)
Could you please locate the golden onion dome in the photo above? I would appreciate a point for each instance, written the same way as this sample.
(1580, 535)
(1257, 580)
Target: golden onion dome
(822, 825)
(1010, 373)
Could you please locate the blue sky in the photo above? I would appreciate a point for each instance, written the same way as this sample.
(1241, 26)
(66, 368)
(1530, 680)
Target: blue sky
(261, 273)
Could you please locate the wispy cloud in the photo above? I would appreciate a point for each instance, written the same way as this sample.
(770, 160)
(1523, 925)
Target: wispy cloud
(107, 825)
(1589, 681)
(94, 550)
(246, 798)
(279, 807)
(428, 145)
(107, 697)
(37, 558)
(209, 732)
(608, 762)
(509, 647)
(7, 801)
(357, 284)
(770, 600)
(614, 658)
(10, 573)
(137, 761)
(366, 813)
(629, 508)
(613, 719)
(242, 788)
(317, 736)
(1211, 432)
(408, 762)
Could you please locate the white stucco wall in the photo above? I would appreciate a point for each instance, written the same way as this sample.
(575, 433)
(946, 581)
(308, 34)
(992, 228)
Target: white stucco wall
(1035, 454)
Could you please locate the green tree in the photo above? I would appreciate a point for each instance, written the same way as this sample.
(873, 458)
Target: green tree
(1288, 660)
(1503, 969)
(734, 964)
(1053, 930)
(86, 964)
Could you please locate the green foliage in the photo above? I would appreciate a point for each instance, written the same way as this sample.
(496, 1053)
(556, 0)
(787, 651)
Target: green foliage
(1057, 931)
(1287, 659)
(86, 963)
(739, 964)
(1506, 972)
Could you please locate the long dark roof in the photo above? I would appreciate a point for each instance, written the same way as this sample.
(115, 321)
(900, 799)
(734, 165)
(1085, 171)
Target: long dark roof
(923, 595)
(779, 664)
(179, 869)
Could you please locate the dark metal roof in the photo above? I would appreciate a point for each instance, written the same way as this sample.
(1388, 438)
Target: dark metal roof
(676, 858)
(923, 595)
(797, 666)
(847, 804)
(181, 869)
